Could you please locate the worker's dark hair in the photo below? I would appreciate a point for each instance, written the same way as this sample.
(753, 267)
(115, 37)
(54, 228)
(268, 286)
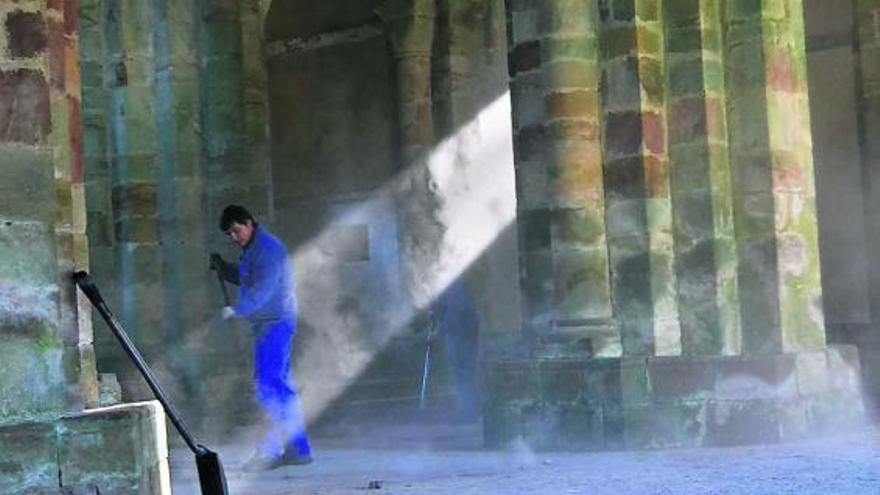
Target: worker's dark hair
(235, 214)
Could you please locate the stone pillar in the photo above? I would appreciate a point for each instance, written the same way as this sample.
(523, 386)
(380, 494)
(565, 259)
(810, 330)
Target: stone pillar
(471, 106)
(773, 184)
(48, 364)
(133, 160)
(236, 166)
(705, 251)
(651, 63)
(180, 200)
(70, 222)
(410, 28)
(47, 354)
(867, 17)
(256, 104)
(709, 222)
(554, 69)
(98, 179)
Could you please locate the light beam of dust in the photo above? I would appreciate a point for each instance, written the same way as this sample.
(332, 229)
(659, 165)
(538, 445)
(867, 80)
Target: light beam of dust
(474, 177)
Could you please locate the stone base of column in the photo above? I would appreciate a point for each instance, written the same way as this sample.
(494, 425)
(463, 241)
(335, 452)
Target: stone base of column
(119, 449)
(682, 401)
(578, 339)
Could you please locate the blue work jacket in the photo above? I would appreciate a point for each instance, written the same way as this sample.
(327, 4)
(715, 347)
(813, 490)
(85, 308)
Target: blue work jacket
(266, 280)
(456, 313)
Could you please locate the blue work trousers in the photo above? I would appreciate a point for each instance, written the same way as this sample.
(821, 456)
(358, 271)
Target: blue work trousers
(276, 391)
(462, 347)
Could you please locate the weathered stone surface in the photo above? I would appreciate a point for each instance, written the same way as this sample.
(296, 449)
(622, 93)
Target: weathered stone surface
(569, 48)
(623, 134)
(571, 104)
(26, 33)
(681, 378)
(581, 283)
(36, 347)
(756, 377)
(24, 106)
(844, 367)
(568, 17)
(563, 427)
(812, 373)
(667, 424)
(666, 402)
(742, 422)
(621, 78)
(525, 57)
(135, 198)
(118, 449)
(28, 461)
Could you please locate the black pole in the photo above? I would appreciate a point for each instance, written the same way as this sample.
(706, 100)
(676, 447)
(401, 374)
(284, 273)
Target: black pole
(85, 282)
(223, 288)
(211, 476)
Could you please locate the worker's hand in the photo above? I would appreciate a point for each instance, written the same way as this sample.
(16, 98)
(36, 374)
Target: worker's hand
(216, 262)
(228, 312)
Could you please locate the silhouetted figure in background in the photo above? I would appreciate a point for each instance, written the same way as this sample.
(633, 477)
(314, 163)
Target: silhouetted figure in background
(267, 301)
(456, 317)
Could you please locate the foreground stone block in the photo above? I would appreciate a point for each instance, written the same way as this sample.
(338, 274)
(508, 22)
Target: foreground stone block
(657, 402)
(118, 450)
(28, 462)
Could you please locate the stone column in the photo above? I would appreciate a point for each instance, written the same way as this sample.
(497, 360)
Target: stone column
(471, 105)
(410, 28)
(133, 159)
(180, 203)
(235, 164)
(773, 184)
(41, 221)
(70, 222)
(48, 444)
(39, 354)
(705, 254)
(554, 69)
(867, 17)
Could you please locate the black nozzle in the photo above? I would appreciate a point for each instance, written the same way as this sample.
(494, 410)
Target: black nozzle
(87, 285)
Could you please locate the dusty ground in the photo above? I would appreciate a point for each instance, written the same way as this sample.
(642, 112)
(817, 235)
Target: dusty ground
(448, 461)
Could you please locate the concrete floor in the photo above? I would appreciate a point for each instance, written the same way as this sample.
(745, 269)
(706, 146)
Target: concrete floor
(447, 460)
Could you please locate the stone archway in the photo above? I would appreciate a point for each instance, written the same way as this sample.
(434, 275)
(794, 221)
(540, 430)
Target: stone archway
(332, 120)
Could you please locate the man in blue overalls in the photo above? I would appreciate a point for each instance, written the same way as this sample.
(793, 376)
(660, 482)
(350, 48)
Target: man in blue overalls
(456, 316)
(267, 301)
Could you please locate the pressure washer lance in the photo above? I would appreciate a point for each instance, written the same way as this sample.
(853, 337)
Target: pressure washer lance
(429, 340)
(222, 287)
(211, 477)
